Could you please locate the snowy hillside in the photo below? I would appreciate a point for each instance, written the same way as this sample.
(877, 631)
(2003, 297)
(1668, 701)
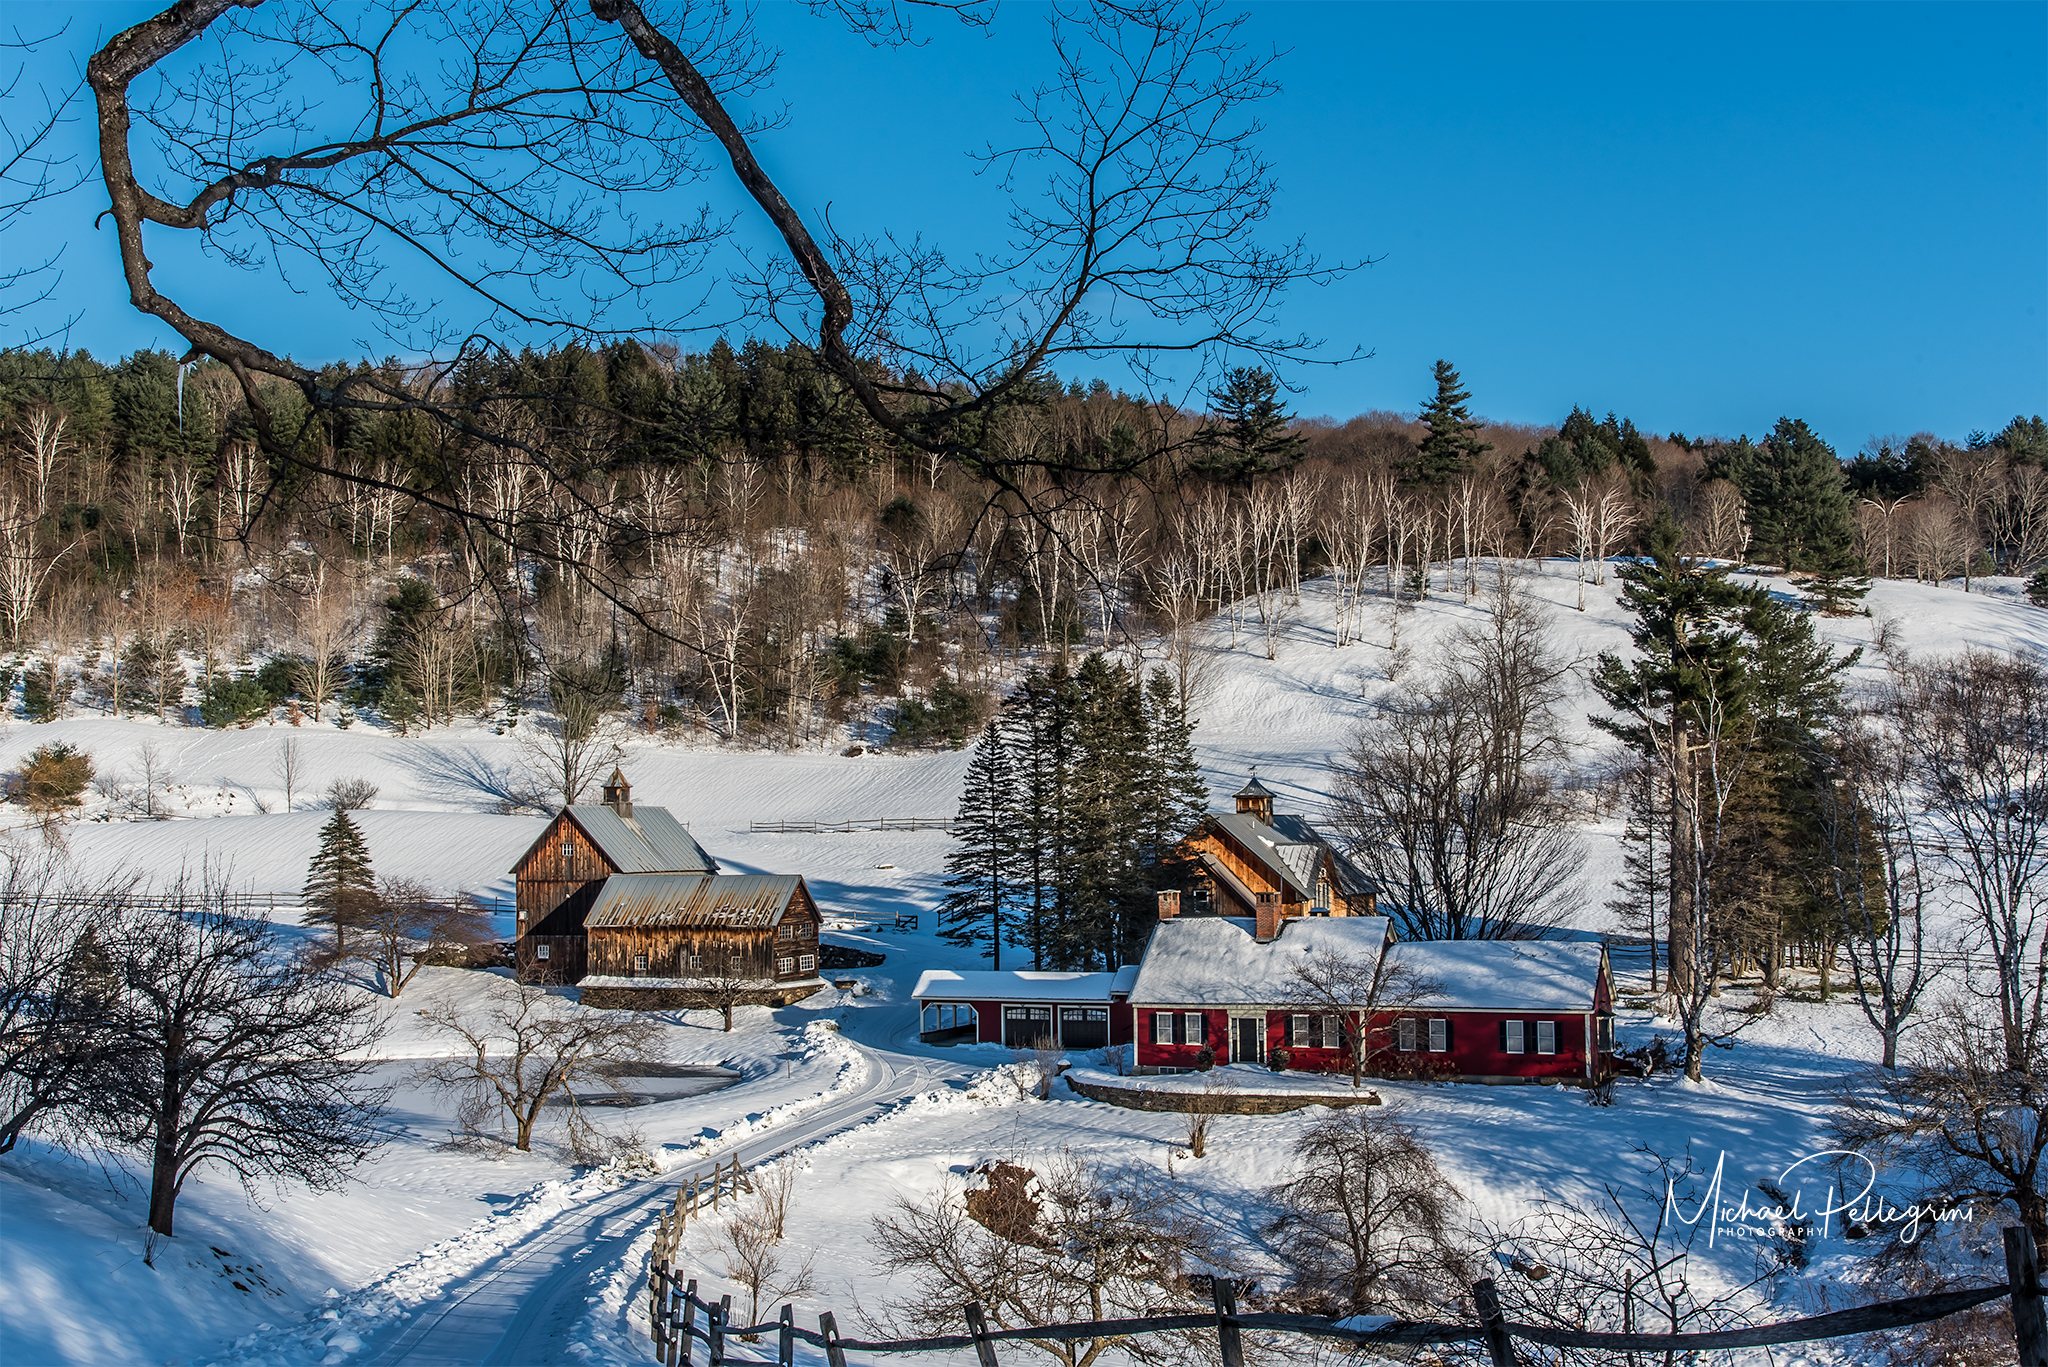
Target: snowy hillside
(295, 1277)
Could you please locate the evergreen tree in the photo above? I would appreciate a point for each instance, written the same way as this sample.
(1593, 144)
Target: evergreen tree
(1250, 431)
(340, 885)
(1450, 446)
(1175, 799)
(1104, 869)
(1586, 448)
(1799, 510)
(982, 871)
(1045, 704)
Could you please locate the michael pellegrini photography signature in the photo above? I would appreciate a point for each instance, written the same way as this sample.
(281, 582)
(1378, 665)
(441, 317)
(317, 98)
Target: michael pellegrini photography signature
(1860, 1215)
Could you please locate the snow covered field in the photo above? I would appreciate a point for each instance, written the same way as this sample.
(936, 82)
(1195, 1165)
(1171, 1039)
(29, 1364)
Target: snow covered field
(249, 1278)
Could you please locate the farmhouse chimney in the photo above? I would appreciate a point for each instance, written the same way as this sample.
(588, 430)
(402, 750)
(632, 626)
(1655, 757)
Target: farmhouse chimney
(1169, 905)
(618, 794)
(1268, 904)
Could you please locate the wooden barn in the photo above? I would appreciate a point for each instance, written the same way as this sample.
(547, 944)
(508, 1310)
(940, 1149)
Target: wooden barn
(1071, 1010)
(1256, 853)
(657, 939)
(560, 876)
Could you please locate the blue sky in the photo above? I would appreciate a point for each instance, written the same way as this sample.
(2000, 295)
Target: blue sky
(1700, 216)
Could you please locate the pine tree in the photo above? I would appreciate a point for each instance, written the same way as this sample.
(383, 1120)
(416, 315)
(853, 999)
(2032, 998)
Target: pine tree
(1450, 445)
(1176, 799)
(982, 870)
(1251, 434)
(1799, 509)
(340, 885)
(1044, 705)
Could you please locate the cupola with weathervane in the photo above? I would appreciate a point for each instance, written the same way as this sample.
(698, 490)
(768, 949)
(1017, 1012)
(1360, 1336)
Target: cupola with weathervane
(1255, 799)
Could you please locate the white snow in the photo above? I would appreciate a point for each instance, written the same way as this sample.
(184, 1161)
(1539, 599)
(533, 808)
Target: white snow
(1219, 961)
(288, 1276)
(1497, 975)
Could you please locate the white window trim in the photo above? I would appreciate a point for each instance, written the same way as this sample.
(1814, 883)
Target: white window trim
(1298, 1031)
(1516, 1037)
(1162, 1027)
(1439, 1035)
(1404, 1035)
(1546, 1037)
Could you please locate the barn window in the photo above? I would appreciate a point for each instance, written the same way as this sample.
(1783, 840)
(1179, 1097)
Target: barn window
(693, 963)
(1404, 1036)
(540, 951)
(807, 963)
(1439, 1036)
(1605, 1027)
(1546, 1037)
(1196, 1024)
(1333, 1031)
(568, 851)
(1511, 1036)
(785, 965)
(1297, 1032)
(1162, 1027)
(639, 963)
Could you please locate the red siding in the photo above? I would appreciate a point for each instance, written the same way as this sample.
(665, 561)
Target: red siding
(1477, 1048)
(988, 1018)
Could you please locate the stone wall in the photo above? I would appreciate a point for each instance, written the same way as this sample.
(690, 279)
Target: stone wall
(1218, 1103)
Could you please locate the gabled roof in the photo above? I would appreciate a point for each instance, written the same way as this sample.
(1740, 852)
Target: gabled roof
(1503, 975)
(1218, 961)
(945, 984)
(649, 841)
(1288, 849)
(739, 901)
(1253, 788)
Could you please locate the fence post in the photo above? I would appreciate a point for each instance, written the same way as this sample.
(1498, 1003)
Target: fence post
(673, 1307)
(2029, 1320)
(828, 1329)
(1228, 1339)
(977, 1326)
(1493, 1326)
(689, 1320)
(720, 1317)
(786, 1344)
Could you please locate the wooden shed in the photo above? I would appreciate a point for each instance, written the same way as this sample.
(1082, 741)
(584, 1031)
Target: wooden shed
(559, 878)
(657, 940)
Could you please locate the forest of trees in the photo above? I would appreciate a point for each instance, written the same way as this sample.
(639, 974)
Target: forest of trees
(725, 543)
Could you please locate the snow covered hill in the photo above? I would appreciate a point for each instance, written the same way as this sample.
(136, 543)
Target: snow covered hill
(249, 1281)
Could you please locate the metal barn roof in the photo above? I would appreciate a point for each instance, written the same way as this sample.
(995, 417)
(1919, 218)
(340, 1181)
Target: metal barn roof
(738, 901)
(649, 841)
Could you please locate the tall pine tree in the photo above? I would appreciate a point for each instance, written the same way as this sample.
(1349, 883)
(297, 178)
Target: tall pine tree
(1800, 515)
(1451, 444)
(340, 885)
(982, 874)
(1250, 432)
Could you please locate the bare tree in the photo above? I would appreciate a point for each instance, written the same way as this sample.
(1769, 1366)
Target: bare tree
(749, 1243)
(1363, 995)
(1090, 1242)
(1978, 742)
(287, 764)
(723, 988)
(238, 1056)
(1368, 1220)
(1959, 1117)
(351, 794)
(1441, 796)
(60, 992)
(522, 1045)
(406, 928)
(156, 775)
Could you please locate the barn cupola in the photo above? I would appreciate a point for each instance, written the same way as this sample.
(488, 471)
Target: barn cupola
(618, 794)
(1256, 799)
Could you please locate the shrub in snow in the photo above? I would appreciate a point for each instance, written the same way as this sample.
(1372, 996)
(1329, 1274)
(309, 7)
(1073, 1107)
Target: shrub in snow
(233, 702)
(53, 777)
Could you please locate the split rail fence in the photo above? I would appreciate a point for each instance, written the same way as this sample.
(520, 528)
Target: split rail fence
(678, 1318)
(870, 823)
(699, 1189)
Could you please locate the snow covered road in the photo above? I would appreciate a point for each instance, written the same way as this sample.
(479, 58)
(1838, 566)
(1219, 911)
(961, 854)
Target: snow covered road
(522, 1308)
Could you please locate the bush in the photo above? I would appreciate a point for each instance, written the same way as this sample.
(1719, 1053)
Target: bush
(234, 702)
(54, 777)
(279, 678)
(950, 716)
(1278, 1059)
(40, 696)
(2037, 588)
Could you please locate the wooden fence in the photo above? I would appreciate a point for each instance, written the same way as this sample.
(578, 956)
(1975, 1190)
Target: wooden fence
(678, 1317)
(870, 823)
(697, 1191)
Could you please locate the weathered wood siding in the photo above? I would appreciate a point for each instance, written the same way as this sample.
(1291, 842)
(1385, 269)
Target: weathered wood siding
(719, 951)
(557, 888)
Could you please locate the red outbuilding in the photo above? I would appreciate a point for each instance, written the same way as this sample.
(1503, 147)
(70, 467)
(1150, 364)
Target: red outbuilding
(1024, 1010)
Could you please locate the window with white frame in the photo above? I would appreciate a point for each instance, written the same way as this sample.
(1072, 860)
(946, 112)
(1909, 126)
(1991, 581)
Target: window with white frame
(1297, 1031)
(639, 963)
(1333, 1031)
(1546, 1037)
(1439, 1035)
(1511, 1036)
(1195, 1024)
(693, 963)
(1606, 1034)
(1404, 1036)
(785, 965)
(807, 963)
(1162, 1027)
(541, 951)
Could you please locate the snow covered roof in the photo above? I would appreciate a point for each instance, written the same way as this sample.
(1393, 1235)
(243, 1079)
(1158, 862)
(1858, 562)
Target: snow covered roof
(649, 841)
(945, 984)
(1504, 975)
(743, 901)
(1217, 960)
